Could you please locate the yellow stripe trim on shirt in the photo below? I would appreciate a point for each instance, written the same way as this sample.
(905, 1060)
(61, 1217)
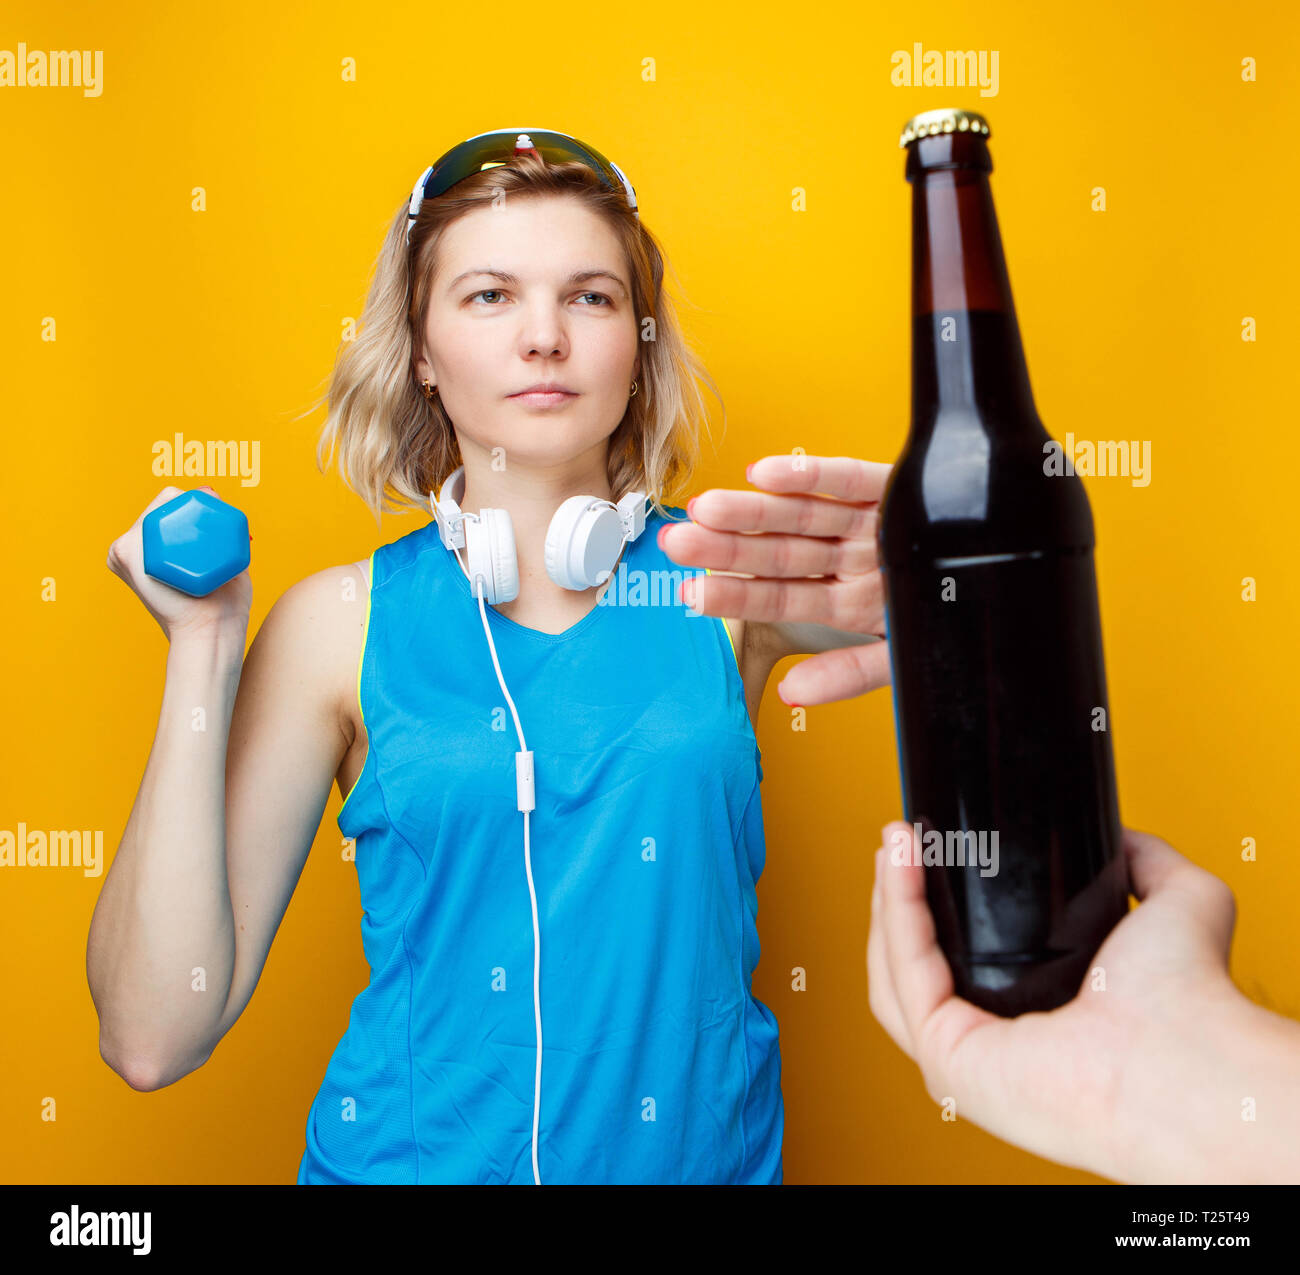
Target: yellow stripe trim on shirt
(726, 626)
(365, 637)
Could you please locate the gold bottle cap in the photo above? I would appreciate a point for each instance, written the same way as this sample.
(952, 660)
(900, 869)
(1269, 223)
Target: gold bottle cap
(946, 120)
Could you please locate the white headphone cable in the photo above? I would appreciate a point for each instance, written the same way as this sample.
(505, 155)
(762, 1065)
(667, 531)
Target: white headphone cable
(525, 793)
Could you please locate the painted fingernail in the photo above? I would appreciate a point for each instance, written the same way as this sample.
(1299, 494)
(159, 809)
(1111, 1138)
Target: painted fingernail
(688, 592)
(749, 471)
(690, 507)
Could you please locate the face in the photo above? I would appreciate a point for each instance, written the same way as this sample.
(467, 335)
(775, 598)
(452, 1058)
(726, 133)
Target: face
(531, 290)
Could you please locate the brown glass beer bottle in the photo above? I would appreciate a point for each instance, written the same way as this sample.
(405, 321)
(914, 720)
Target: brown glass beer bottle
(993, 625)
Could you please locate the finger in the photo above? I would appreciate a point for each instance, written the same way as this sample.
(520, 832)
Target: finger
(855, 604)
(881, 997)
(125, 552)
(922, 978)
(844, 477)
(1156, 868)
(938, 1022)
(1152, 863)
(836, 675)
(728, 509)
(695, 545)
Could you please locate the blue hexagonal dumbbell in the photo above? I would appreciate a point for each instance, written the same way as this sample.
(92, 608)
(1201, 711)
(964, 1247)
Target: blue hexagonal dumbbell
(195, 543)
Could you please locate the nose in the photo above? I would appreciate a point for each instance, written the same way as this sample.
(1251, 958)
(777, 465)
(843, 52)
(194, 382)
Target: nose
(543, 333)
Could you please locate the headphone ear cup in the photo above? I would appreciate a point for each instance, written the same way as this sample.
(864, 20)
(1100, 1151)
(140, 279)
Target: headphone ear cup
(583, 543)
(490, 550)
(505, 565)
(559, 533)
(501, 545)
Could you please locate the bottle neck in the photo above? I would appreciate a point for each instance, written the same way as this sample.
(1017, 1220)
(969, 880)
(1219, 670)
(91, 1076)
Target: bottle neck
(967, 357)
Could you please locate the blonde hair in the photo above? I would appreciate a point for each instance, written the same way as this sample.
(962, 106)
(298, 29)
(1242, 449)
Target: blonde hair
(394, 446)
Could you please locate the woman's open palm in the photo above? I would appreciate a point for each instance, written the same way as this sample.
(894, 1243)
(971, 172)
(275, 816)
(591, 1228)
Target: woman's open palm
(809, 542)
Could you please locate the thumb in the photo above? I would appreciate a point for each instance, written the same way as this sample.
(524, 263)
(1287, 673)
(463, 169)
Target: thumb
(838, 674)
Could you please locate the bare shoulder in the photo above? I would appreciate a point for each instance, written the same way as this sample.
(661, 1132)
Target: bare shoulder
(329, 609)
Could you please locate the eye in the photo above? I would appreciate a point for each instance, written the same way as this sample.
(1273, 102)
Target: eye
(601, 298)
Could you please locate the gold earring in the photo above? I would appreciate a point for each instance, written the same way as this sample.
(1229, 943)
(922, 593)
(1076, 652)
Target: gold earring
(429, 391)
(633, 394)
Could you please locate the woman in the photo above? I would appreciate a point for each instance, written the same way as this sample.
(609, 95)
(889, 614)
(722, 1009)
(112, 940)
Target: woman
(609, 934)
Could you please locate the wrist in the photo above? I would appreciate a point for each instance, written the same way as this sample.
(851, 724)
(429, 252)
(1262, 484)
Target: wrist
(1209, 1095)
(215, 650)
(221, 636)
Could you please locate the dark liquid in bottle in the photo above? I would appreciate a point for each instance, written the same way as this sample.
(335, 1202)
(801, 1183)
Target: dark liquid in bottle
(999, 677)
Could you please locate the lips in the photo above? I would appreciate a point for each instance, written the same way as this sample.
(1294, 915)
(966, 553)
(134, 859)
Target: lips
(544, 398)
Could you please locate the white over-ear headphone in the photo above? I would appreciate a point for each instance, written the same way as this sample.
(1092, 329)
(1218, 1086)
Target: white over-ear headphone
(584, 541)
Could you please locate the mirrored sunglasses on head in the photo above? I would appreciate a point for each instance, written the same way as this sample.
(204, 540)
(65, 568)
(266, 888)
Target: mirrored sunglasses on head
(488, 150)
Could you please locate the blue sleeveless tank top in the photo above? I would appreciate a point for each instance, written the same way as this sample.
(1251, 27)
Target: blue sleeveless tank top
(658, 1064)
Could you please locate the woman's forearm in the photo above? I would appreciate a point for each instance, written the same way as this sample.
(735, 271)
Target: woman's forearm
(164, 908)
(812, 639)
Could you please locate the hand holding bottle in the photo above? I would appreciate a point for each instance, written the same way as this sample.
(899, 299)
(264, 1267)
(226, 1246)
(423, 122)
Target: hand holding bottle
(1142, 1076)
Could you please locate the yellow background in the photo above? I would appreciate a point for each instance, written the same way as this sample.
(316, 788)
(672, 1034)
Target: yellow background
(224, 324)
